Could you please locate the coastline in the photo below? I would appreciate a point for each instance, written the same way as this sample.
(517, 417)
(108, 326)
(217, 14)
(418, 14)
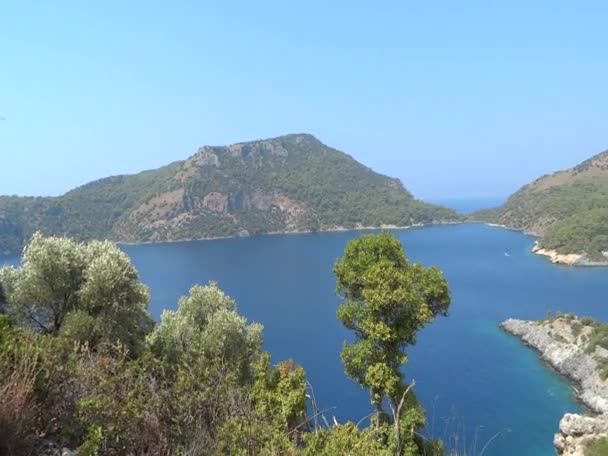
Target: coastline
(567, 259)
(558, 347)
(338, 229)
(563, 343)
(563, 259)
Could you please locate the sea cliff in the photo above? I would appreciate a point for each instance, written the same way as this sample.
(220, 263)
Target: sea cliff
(573, 347)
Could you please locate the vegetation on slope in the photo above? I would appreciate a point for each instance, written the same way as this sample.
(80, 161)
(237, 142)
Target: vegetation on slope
(83, 366)
(289, 183)
(568, 209)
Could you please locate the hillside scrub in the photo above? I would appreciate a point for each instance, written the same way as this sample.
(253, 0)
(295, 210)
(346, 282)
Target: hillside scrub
(198, 383)
(567, 209)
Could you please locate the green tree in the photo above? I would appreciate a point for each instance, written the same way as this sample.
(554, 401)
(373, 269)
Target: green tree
(90, 292)
(387, 300)
(207, 324)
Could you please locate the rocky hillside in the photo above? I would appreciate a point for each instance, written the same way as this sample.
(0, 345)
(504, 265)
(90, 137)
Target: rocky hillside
(290, 183)
(567, 209)
(578, 349)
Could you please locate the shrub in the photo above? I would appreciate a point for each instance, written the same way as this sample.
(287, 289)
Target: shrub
(599, 336)
(17, 402)
(588, 321)
(598, 447)
(576, 327)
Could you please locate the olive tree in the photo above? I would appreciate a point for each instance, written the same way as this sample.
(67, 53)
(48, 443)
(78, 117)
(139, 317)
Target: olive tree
(387, 300)
(88, 291)
(206, 324)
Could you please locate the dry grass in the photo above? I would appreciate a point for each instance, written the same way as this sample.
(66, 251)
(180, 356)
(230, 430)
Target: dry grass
(17, 405)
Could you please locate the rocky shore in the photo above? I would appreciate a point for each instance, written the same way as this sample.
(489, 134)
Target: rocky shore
(568, 259)
(568, 344)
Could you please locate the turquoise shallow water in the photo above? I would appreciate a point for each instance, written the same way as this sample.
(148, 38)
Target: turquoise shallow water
(475, 381)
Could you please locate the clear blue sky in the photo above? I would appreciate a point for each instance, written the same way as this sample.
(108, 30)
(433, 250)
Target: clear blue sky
(457, 99)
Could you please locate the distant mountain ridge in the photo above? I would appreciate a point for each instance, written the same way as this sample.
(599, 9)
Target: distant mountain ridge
(567, 209)
(289, 183)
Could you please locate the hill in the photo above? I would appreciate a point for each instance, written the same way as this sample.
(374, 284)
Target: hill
(567, 209)
(289, 183)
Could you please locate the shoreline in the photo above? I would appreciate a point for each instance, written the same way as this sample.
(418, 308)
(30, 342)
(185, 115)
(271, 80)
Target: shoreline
(556, 354)
(567, 259)
(558, 259)
(562, 259)
(274, 233)
(563, 345)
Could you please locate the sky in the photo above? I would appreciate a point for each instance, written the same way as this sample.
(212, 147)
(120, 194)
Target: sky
(458, 99)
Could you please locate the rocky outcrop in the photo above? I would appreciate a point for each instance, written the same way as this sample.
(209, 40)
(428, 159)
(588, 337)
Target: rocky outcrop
(51, 448)
(577, 432)
(569, 259)
(563, 342)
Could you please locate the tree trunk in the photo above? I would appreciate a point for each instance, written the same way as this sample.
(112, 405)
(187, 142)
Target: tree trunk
(396, 408)
(377, 416)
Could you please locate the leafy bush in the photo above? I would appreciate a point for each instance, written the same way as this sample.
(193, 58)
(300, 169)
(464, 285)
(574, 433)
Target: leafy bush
(598, 337)
(588, 321)
(576, 327)
(598, 447)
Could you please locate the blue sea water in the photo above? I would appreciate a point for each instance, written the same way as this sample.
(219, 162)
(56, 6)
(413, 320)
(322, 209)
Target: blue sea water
(477, 383)
(469, 205)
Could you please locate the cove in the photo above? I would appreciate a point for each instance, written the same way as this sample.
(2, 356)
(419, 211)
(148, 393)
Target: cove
(477, 383)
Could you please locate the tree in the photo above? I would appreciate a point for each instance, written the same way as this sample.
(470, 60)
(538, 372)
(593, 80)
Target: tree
(387, 300)
(206, 324)
(90, 292)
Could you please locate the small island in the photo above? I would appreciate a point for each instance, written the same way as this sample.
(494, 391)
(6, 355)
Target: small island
(577, 348)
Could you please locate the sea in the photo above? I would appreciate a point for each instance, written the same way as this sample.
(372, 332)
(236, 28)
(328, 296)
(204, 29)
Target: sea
(483, 390)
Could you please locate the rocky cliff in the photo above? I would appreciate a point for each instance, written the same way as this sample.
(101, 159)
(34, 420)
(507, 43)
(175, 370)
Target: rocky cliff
(573, 347)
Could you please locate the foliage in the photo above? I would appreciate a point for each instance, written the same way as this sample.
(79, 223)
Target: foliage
(568, 209)
(387, 300)
(90, 292)
(586, 232)
(199, 383)
(281, 393)
(305, 185)
(597, 447)
(346, 439)
(206, 324)
(598, 337)
(576, 327)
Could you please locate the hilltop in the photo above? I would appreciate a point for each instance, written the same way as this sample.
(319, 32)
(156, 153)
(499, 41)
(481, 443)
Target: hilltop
(568, 210)
(284, 184)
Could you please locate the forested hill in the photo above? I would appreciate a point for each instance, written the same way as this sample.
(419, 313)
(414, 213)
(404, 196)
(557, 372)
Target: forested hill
(567, 209)
(289, 183)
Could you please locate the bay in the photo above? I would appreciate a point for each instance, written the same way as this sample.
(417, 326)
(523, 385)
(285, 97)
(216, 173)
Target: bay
(479, 385)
